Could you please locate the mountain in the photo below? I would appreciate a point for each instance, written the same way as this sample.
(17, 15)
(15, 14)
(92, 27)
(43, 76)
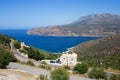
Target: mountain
(103, 52)
(99, 25)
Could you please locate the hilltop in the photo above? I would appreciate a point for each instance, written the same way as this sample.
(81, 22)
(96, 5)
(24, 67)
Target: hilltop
(106, 50)
(99, 25)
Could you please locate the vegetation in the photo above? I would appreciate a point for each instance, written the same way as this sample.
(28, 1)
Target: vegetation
(66, 67)
(42, 77)
(17, 44)
(44, 65)
(59, 74)
(100, 53)
(4, 39)
(5, 53)
(5, 58)
(47, 67)
(114, 77)
(34, 53)
(37, 54)
(97, 74)
(4, 42)
(80, 68)
(30, 63)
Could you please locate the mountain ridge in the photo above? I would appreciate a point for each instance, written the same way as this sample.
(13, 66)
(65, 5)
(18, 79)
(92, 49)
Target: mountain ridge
(95, 25)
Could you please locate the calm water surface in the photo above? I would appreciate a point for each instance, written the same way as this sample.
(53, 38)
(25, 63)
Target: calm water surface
(47, 43)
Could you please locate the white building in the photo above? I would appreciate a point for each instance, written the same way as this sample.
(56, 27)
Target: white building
(68, 58)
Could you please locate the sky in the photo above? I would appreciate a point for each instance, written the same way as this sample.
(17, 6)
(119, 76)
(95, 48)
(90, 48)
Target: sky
(26, 14)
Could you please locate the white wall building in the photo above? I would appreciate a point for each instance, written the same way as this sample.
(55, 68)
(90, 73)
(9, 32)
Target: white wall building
(68, 58)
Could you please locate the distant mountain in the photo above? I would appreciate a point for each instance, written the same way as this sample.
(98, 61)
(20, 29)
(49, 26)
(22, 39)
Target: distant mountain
(92, 25)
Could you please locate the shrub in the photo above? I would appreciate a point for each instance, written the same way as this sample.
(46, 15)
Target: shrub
(43, 63)
(30, 63)
(34, 53)
(23, 51)
(17, 44)
(42, 77)
(5, 58)
(115, 77)
(59, 74)
(66, 67)
(45, 67)
(97, 74)
(80, 68)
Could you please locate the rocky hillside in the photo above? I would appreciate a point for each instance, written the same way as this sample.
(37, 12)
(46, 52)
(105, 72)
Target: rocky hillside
(4, 42)
(6, 55)
(103, 52)
(92, 25)
(101, 47)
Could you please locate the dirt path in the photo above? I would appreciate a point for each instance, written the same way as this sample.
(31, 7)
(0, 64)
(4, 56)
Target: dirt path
(7, 74)
(38, 71)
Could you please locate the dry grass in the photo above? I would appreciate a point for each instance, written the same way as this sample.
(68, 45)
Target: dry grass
(6, 74)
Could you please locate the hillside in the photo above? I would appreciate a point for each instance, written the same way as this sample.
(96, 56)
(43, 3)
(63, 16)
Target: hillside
(4, 42)
(6, 55)
(106, 50)
(92, 25)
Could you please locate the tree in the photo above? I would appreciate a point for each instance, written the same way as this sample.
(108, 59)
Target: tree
(17, 44)
(97, 74)
(59, 74)
(80, 68)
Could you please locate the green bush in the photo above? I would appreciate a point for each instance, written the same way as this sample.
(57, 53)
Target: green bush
(23, 51)
(97, 74)
(42, 77)
(17, 44)
(30, 63)
(115, 77)
(43, 63)
(5, 58)
(4, 39)
(66, 67)
(45, 67)
(80, 68)
(59, 74)
(34, 53)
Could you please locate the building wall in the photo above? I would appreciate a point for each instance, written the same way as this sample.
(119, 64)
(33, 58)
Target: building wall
(69, 59)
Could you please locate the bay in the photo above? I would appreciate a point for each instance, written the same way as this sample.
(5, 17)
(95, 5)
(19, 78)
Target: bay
(47, 43)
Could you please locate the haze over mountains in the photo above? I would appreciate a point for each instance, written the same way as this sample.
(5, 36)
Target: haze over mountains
(96, 25)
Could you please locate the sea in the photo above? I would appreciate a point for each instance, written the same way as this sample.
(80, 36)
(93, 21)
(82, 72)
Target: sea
(50, 44)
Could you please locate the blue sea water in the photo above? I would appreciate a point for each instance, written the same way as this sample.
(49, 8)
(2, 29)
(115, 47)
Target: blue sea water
(47, 43)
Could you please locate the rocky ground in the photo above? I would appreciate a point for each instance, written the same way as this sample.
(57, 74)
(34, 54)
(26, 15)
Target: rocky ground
(9, 74)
